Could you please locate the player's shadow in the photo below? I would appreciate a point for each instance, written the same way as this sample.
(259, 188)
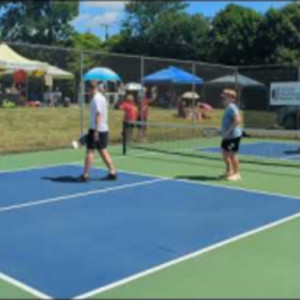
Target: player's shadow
(199, 178)
(72, 179)
(63, 179)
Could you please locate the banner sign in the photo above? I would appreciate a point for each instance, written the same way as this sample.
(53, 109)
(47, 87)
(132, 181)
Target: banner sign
(285, 93)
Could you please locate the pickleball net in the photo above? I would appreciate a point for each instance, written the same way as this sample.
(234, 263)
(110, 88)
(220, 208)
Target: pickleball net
(261, 146)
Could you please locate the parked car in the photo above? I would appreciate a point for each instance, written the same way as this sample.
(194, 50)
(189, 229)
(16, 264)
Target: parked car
(289, 117)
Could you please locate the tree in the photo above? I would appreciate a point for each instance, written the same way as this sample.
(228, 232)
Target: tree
(112, 42)
(87, 41)
(164, 29)
(177, 35)
(232, 37)
(141, 15)
(41, 22)
(279, 35)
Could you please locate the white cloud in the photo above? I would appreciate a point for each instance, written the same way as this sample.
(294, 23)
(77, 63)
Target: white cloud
(106, 18)
(79, 19)
(88, 21)
(107, 5)
(92, 21)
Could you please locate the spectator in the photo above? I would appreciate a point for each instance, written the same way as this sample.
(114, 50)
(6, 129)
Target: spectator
(130, 115)
(206, 110)
(143, 114)
(67, 102)
(198, 111)
(14, 89)
(182, 109)
(57, 97)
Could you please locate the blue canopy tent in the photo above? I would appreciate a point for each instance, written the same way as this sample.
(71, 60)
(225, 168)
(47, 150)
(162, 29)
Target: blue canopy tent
(172, 75)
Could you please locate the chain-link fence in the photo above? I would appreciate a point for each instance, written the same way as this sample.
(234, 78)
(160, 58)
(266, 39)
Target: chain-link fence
(255, 87)
(51, 104)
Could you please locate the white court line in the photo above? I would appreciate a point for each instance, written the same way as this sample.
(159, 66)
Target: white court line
(164, 177)
(290, 157)
(186, 257)
(67, 197)
(24, 287)
(221, 186)
(37, 168)
(119, 157)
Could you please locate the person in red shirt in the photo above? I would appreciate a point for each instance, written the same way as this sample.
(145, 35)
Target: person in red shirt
(143, 114)
(130, 115)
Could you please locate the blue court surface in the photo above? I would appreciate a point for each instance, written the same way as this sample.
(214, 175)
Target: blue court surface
(65, 238)
(277, 150)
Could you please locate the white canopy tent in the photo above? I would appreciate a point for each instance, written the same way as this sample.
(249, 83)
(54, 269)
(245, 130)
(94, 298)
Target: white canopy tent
(54, 72)
(10, 60)
(58, 73)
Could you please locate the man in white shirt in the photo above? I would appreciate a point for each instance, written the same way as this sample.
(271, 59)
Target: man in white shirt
(98, 135)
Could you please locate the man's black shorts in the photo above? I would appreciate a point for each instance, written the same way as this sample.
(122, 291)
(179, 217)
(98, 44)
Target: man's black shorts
(102, 142)
(231, 145)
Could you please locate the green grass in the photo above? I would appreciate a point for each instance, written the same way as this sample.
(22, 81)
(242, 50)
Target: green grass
(38, 128)
(24, 129)
(28, 129)
(255, 119)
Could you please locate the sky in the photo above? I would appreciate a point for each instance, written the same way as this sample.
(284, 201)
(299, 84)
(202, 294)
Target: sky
(94, 14)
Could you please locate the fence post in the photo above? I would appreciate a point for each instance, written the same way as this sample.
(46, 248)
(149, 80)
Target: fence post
(194, 91)
(142, 92)
(298, 110)
(236, 84)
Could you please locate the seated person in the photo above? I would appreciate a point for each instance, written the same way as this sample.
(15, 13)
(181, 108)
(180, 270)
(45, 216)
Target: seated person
(182, 109)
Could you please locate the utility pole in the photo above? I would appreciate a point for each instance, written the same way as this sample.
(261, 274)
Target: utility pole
(106, 28)
(106, 31)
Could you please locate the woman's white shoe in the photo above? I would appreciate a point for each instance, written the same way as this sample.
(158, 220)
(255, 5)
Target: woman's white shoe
(234, 177)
